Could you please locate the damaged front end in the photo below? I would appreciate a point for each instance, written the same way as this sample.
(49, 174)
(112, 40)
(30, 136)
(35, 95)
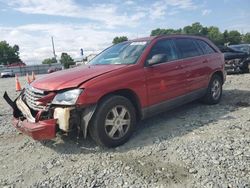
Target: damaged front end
(234, 65)
(35, 115)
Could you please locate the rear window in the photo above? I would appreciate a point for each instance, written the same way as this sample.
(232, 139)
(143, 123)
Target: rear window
(187, 48)
(205, 47)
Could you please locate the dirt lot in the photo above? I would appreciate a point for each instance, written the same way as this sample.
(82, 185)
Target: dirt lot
(193, 146)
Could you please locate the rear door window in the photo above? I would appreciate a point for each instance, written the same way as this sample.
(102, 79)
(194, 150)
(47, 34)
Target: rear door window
(206, 48)
(187, 48)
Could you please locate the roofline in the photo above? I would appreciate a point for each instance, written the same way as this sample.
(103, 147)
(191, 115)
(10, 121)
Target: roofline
(151, 38)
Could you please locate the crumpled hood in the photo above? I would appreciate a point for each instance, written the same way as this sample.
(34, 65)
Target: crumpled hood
(72, 77)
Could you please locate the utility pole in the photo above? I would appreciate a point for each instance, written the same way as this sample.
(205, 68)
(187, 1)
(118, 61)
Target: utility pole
(53, 47)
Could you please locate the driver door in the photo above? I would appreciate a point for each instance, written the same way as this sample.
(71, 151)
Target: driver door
(165, 80)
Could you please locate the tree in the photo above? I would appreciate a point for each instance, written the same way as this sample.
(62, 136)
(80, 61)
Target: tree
(212, 32)
(234, 37)
(225, 37)
(8, 54)
(117, 40)
(66, 60)
(159, 31)
(49, 61)
(215, 35)
(16, 49)
(195, 29)
(246, 38)
(204, 31)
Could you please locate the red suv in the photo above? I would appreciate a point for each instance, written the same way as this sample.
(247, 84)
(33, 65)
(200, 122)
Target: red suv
(125, 83)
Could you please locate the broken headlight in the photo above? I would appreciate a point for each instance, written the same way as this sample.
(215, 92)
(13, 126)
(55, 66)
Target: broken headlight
(68, 97)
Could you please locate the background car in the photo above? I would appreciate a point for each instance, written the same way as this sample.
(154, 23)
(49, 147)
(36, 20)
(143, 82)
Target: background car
(54, 69)
(236, 61)
(241, 47)
(7, 73)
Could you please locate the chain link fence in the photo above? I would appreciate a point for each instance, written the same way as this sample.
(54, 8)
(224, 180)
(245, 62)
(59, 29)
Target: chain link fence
(37, 69)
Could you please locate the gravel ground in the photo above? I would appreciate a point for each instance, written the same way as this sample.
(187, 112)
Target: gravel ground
(192, 146)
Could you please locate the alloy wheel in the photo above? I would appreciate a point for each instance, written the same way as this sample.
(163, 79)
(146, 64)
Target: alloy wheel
(117, 122)
(216, 89)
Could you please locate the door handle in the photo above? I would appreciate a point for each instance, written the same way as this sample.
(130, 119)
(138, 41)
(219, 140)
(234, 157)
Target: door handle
(176, 67)
(180, 67)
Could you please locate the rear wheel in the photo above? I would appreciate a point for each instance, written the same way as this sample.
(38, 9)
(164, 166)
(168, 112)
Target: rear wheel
(113, 122)
(214, 90)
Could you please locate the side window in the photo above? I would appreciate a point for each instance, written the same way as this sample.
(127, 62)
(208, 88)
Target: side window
(187, 48)
(165, 48)
(205, 47)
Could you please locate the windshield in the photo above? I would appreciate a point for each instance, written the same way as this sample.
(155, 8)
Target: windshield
(243, 48)
(122, 53)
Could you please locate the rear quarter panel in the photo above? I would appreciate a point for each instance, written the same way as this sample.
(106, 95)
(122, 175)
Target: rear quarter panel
(216, 60)
(216, 63)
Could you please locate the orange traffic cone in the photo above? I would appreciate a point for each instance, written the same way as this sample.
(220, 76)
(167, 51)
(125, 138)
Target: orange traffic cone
(33, 76)
(18, 85)
(28, 78)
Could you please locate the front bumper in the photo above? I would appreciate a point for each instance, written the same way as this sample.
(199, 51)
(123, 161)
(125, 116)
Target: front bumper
(233, 68)
(41, 130)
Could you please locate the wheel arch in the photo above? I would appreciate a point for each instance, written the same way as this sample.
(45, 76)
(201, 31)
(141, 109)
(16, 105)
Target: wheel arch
(130, 95)
(220, 74)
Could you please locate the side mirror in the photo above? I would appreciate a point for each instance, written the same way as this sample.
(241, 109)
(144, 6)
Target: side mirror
(158, 58)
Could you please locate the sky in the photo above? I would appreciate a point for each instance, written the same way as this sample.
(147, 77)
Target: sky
(92, 24)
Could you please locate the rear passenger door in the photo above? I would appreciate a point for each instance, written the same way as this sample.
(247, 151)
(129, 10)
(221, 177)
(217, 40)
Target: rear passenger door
(165, 80)
(194, 62)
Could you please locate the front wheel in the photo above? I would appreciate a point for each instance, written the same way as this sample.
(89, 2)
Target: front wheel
(113, 122)
(214, 90)
(245, 67)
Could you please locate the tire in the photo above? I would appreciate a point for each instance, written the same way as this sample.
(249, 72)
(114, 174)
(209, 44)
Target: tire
(245, 68)
(113, 121)
(214, 91)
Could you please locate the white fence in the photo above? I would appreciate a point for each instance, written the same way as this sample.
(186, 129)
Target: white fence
(37, 69)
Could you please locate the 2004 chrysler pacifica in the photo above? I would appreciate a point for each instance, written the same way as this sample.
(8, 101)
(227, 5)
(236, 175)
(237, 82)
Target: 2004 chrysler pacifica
(125, 83)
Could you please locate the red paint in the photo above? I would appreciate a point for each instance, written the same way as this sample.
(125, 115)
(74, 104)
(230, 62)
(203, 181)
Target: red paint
(71, 77)
(42, 130)
(179, 76)
(151, 85)
(46, 99)
(162, 86)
